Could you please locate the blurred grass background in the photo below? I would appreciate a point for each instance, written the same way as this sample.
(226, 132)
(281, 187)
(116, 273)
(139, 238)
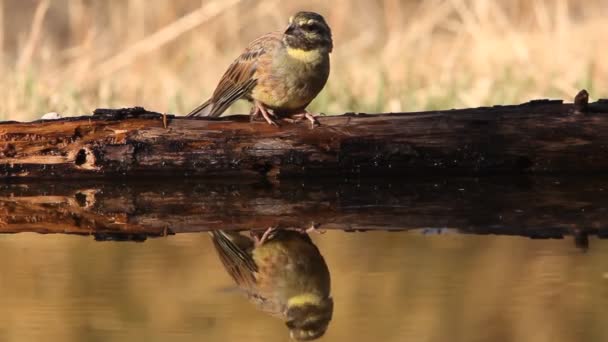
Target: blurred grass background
(71, 56)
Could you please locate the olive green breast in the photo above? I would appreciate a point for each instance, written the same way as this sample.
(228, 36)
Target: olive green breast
(291, 266)
(290, 80)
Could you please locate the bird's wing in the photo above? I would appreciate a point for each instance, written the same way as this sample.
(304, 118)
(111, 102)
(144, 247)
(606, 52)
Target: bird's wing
(234, 251)
(239, 79)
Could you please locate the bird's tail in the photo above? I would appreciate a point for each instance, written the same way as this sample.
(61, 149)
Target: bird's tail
(205, 109)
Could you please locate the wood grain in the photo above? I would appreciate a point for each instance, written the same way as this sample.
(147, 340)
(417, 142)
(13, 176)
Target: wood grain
(541, 137)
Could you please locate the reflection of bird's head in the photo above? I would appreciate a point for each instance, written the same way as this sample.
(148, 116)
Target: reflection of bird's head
(308, 31)
(308, 316)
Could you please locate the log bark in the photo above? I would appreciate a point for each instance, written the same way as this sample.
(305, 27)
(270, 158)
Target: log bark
(533, 138)
(537, 207)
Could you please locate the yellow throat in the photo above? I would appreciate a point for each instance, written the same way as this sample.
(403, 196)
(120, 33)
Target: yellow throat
(305, 56)
(304, 299)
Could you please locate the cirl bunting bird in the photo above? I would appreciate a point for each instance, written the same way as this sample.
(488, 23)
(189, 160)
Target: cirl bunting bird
(284, 274)
(281, 73)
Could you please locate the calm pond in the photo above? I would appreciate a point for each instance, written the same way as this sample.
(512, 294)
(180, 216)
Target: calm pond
(544, 279)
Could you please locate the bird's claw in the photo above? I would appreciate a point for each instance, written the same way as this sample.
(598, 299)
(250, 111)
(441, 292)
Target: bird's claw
(314, 228)
(272, 122)
(313, 120)
(267, 116)
(265, 236)
(308, 116)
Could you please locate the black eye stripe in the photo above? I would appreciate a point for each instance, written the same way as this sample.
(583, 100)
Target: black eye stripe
(312, 27)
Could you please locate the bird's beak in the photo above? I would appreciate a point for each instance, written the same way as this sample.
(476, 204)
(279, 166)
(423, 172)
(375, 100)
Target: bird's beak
(290, 29)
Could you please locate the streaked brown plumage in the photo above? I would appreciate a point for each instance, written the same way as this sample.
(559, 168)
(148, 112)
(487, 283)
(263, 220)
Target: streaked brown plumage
(284, 274)
(280, 72)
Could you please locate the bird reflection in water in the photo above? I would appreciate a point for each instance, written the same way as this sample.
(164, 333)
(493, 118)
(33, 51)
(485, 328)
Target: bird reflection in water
(283, 273)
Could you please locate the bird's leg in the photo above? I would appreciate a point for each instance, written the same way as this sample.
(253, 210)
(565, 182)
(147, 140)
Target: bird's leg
(260, 241)
(313, 120)
(314, 228)
(309, 116)
(253, 114)
(265, 114)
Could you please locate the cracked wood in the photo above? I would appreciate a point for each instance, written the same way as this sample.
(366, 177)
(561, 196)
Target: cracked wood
(535, 138)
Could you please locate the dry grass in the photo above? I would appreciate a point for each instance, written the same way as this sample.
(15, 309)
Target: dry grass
(72, 56)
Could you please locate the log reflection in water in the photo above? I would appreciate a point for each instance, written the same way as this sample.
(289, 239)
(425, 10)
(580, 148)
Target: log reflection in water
(529, 206)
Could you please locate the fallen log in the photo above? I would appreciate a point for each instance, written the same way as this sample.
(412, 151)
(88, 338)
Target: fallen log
(535, 138)
(536, 207)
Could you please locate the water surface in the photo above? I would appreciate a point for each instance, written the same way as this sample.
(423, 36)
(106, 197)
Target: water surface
(387, 286)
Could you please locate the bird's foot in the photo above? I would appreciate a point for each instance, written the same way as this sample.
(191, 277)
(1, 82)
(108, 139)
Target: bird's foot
(265, 236)
(314, 228)
(308, 116)
(256, 114)
(261, 109)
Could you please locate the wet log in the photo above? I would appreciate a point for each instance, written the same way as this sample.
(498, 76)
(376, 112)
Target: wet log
(533, 138)
(537, 207)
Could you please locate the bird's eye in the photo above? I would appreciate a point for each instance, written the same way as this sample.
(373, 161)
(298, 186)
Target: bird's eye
(311, 26)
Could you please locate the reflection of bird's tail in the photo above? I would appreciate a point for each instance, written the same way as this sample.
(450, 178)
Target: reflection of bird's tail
(205, 109)
(231, 239)
(233, 248)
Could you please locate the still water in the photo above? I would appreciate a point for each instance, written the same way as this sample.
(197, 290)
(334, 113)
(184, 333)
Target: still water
(386, 286)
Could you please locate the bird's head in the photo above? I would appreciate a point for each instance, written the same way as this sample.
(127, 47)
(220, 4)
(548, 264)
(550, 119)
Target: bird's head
(308, 31)
(308, 316)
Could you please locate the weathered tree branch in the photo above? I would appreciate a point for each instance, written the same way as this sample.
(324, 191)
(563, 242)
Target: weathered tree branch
(537, 137)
